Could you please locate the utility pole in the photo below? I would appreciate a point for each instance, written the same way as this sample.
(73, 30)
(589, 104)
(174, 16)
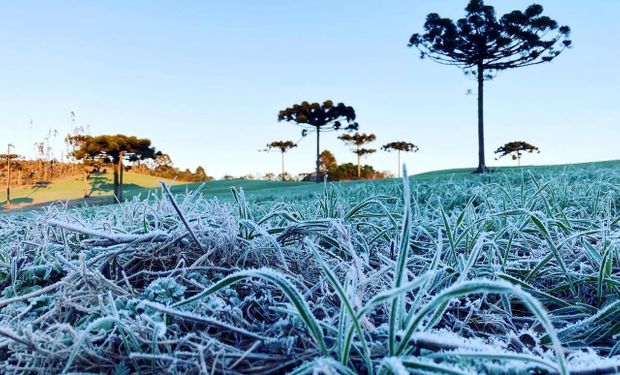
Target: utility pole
(9, 156)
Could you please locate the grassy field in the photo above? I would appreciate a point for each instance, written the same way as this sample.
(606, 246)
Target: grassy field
(71, 189)
(515, 272)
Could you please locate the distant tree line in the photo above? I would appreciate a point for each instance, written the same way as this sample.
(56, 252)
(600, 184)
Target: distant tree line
(162, 166)
(33, 172)
(347, 171)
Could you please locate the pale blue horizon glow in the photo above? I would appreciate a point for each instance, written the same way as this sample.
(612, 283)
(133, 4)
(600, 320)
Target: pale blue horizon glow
(205, 81)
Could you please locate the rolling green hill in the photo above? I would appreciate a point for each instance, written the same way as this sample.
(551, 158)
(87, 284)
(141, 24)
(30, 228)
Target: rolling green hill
(71, 189)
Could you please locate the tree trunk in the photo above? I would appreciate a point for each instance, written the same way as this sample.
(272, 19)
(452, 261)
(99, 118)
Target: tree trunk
(481, 164)
(282, 155)
(359, 167)
(85, 181)
(8, 178)
(116, 178)
(318, 156)
(519, 159)
(122, 174)
(398, 167)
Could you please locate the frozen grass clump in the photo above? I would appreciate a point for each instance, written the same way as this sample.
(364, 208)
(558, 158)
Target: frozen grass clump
(510, 272)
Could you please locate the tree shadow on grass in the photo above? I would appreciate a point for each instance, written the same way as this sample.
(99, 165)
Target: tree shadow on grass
(36, 187)
(16, 202)
(26, 200)
(99, 183)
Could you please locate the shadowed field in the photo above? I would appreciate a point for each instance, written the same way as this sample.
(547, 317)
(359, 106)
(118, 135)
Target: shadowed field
(71, 189)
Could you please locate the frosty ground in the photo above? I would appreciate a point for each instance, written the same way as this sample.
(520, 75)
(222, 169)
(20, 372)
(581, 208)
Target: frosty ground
(510, 272)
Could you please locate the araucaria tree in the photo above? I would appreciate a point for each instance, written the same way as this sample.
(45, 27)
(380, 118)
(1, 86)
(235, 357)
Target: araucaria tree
(320, 118)
(283, 147)
(356, 141)
(482, 45)
(115, 149)
(516, 150)
(398, 147)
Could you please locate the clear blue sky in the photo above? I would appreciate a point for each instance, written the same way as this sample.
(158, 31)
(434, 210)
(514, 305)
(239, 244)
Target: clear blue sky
(205, 80)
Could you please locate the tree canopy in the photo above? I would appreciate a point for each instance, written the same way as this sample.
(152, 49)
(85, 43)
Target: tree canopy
(326, 116)
(328, 161)
(364, 151)
(480, 40)
(516, 150)
(357, 139)
(400, 146)
(115, 147)
(283, 146)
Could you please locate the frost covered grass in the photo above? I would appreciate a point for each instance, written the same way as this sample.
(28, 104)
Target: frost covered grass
(514, 272)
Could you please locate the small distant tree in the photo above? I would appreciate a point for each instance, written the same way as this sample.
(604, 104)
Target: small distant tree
(283, 147)
(398, 147)
(163, 165)
(327, 162)
(516, 150)
(116, 149)
(269, 176)
(201, 174)
(320, 118)
(356, 141)
(482, 45)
